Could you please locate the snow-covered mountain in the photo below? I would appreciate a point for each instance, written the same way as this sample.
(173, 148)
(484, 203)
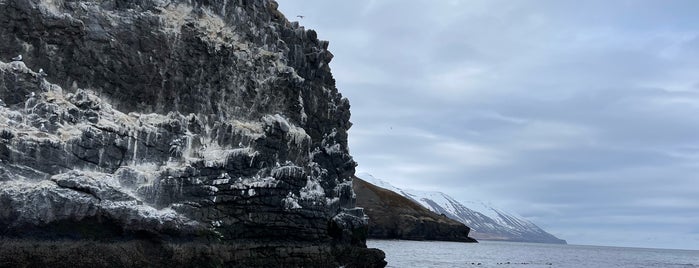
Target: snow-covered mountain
(486, 221)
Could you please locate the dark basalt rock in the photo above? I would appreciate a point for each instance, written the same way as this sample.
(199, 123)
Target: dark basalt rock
(176, 121)
(392, 216)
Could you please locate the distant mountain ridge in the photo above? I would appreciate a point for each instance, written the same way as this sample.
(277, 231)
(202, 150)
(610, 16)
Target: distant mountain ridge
(486, 222)
(393, 216)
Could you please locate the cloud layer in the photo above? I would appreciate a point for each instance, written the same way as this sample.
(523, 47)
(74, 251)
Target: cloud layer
(581, 116)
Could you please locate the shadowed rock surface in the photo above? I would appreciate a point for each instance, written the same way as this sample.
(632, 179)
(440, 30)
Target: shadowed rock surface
(392, 216)
(176, 121)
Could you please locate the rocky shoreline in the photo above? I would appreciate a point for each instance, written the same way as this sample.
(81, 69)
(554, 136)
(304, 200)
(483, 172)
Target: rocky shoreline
(145, 253)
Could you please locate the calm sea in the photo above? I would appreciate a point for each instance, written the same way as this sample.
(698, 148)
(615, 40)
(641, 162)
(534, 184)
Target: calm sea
(401, 253)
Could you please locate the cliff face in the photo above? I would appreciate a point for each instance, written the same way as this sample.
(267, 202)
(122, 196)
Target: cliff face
(214, 121)
(392, 216)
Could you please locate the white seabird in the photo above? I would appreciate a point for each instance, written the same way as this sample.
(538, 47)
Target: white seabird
(2, 103)
(18, 58)
(41, 72)
(43, 128)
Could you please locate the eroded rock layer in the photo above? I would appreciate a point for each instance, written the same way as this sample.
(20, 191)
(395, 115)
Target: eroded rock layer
(214, 121)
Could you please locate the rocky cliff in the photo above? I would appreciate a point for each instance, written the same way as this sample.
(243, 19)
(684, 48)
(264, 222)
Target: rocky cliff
(180, 121)
(392, 216)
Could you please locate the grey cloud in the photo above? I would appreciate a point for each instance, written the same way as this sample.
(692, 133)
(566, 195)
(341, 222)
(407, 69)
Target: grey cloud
(564, 111)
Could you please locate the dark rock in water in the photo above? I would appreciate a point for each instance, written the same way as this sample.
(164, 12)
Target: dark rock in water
(176, 121)
(145, 253)
(392, 216)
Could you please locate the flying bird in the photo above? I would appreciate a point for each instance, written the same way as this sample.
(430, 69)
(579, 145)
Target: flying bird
(300, 16)
(18, 58)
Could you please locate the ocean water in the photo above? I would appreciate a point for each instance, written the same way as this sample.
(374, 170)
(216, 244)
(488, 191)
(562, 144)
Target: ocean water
(400, 253)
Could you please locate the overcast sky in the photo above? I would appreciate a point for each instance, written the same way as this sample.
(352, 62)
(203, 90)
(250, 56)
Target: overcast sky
(582, 116)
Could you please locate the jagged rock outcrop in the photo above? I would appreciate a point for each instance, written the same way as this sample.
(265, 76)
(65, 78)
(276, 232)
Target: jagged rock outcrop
(392, 216)
(199, 121)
